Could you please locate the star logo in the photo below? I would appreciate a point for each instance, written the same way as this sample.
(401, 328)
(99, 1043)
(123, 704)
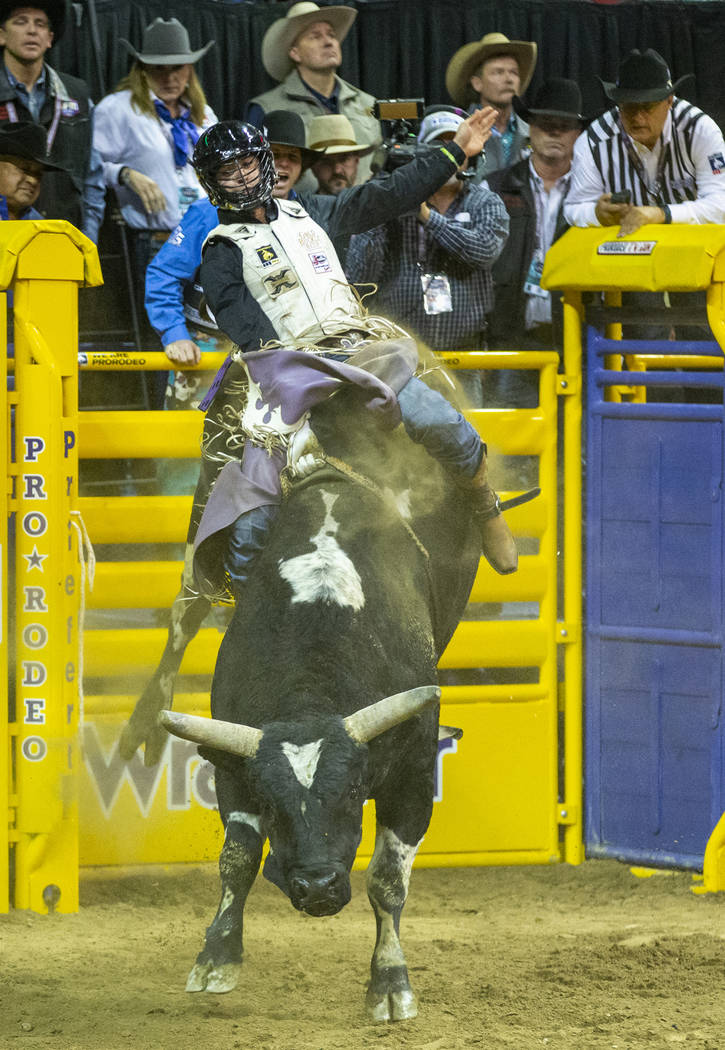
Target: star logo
(35, 560)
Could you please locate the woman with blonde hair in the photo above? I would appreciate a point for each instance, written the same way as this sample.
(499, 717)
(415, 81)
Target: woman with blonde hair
(145, 132)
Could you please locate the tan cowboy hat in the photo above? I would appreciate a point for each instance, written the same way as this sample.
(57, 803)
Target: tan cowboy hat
(332, 133)
(469, 59)
(282, 34)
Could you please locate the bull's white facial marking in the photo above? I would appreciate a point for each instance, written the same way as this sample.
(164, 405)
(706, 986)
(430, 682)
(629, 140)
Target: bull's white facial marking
(327, 574)
(303, 758)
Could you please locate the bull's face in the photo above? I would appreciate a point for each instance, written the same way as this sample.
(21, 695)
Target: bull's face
(311, 780)
(311, 793)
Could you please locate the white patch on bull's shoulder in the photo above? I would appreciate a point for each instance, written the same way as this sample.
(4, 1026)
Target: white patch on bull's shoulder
(245, 818)
(327, 574)
(401, 502)
(303, 758)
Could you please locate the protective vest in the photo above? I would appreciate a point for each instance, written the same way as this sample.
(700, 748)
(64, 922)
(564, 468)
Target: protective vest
(292, 270)
(66, 117)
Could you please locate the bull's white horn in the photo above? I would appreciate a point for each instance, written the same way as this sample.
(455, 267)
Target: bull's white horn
(374, 720)
(224, 736)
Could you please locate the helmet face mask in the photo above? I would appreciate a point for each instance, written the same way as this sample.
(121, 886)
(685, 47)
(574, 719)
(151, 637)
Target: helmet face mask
(235, 165)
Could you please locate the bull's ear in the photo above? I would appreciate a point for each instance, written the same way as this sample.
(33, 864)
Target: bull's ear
(449, 733)
(374, 720)
(224, 736)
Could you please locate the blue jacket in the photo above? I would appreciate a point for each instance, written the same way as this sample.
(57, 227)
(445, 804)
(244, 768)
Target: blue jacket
(172, 267)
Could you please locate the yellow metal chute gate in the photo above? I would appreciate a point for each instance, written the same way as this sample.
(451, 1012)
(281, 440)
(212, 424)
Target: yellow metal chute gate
(43, 263)
(502, 798)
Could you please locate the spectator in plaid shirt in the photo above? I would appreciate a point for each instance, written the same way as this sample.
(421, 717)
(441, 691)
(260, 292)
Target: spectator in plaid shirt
(433, 267)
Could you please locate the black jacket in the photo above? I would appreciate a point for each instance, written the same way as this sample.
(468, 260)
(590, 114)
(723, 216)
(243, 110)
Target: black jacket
(510, 269)
(61, 193)
(353, 210)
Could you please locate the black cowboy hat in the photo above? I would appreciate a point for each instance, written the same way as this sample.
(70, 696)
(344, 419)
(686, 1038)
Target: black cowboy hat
(56, 11)
(557, 98)
(280, 127)
(28, 140)
(644, 76)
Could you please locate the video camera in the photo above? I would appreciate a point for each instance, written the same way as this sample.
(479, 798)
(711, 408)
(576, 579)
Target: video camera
(399, 123)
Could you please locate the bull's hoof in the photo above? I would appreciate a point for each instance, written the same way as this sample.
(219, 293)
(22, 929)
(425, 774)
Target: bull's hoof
(392, 1006)
(206, 977)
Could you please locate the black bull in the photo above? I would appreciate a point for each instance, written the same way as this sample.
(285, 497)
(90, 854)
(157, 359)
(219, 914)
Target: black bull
(364, 578)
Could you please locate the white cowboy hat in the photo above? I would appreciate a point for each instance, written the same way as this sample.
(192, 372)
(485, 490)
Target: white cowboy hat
(282, 34)
(333, 133)
(469, 59)
(166, 43)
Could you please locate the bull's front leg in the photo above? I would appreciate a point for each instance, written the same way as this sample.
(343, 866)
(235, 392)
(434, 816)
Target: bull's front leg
(389, 995)
(218, 965)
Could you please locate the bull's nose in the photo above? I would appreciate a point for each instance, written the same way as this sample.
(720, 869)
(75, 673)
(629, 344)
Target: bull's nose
(322, 895)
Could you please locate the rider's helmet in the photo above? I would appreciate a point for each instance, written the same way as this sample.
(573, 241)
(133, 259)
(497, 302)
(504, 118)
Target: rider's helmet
(234, 146)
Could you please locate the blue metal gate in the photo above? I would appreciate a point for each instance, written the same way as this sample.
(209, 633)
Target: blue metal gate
(655, 783)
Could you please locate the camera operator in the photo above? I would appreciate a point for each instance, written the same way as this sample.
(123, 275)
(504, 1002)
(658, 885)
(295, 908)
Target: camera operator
(433, 267)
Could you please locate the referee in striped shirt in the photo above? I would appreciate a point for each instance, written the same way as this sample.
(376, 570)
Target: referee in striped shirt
(667, 153)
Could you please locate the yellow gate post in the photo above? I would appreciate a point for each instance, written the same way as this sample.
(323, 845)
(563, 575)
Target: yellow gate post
(5, 765)
(46, 262)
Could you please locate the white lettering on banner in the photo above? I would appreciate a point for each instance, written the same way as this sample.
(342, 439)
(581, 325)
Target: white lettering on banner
(35, 636)
(626, 248)
(35, 524)
(189, 778)
(447, 746)
(33, 448)
(34, 748)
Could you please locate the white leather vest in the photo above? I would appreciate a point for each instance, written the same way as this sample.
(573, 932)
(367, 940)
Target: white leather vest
(292, 270)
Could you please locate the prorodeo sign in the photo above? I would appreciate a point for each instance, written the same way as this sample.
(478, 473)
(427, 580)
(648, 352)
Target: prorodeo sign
(626, 248)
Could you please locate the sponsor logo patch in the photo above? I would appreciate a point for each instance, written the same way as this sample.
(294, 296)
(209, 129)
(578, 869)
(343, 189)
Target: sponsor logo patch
(310, 240)
(267, 255)
(320, 262)
(717, 163)
(280, 281)
(626, 248)
(70, 108)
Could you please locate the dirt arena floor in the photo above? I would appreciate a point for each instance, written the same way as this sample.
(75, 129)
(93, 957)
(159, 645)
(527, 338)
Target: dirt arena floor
(565, 958)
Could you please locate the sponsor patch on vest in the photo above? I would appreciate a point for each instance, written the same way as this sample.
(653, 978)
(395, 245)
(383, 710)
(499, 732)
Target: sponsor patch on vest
(280, 281)
(266, 255)
(310, 240)
(626, 248)
(717, 162)
(320, 262)
(70, 107)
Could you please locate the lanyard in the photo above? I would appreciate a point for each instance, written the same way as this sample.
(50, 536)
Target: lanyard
(656, 191)
(52, 130)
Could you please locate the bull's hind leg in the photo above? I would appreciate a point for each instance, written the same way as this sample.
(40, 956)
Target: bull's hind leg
(218, 965)
(389, 995)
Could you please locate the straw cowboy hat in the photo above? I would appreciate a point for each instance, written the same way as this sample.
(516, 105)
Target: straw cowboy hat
(166, 43)
(282, 34)
(644, 76)
(332, 133)
(557, 97)
(54, 9)
(469, 59)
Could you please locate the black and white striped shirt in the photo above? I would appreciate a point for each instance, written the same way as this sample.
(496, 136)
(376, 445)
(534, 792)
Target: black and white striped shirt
(685, 169)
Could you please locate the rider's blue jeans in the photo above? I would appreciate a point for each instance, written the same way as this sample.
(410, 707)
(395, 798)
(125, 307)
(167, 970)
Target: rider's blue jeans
(429, 420)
